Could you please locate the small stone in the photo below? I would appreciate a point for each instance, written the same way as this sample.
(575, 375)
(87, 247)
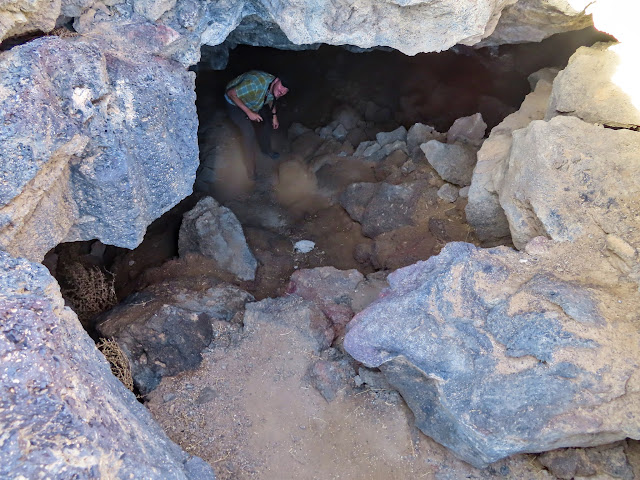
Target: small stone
(448, 193)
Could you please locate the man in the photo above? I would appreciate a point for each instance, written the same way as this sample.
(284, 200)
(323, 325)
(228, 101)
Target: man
(251, 103)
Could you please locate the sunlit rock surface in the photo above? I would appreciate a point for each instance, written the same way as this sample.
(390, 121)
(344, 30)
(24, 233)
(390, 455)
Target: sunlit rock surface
(24, 16)
(484, 212)
(600, 85)
(98, 138)
(498, 352)
(62, 413)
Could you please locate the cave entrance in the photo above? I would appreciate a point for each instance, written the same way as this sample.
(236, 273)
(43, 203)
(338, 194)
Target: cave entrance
(350, 208)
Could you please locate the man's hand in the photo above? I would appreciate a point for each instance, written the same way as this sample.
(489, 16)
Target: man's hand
(254, 117)
(276, 124)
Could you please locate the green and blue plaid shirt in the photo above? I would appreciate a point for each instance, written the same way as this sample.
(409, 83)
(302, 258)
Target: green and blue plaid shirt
(252, 88)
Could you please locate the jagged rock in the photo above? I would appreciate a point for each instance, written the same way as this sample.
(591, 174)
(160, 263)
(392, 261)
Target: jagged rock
(453, 162)
(496, 354)
(120, 147)
(448, 193)
(535, 20)
(164, 329)
(24, 16)
(212, 230)
(608, 461)
(597, 86)
(399, 134)
(381, 207)
(330, 289)
(484, 212)
(420, 133)
(340, 133)
(62, 412)
(468, 130)
(563, 182)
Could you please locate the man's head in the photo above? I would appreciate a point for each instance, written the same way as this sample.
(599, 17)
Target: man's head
(278, 89)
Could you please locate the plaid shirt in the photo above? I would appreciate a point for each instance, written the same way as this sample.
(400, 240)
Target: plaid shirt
(252, 88)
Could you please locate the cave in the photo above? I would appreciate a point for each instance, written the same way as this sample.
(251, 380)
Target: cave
(437, 276)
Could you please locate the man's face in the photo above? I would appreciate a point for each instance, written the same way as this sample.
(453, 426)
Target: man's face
(279, 90)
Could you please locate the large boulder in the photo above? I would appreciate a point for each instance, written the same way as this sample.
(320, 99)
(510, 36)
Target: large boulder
(453, 162)
(497, 352)
(568, 179)
(62, 413)
(99, 150)
(164, 329)
(483, 210)
(599, 85)
(212, 230)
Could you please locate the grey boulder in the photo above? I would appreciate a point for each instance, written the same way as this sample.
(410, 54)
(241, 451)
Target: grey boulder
(453, 162)
(62, 412)
(496, 355)
(212, 230)
(99, 150)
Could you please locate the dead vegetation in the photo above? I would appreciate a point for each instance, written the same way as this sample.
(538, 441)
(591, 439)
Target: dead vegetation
(89, 290)
(119, 362)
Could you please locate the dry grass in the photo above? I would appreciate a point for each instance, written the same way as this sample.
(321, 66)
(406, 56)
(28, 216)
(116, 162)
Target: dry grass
(91, 291)
(63, 32)
(118, 360)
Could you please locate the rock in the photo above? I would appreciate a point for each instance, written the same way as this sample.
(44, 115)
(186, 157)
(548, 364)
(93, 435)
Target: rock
(152, 10)
(484, 212)
(340, 133)
(454, 163)
(399, 134)
(381, 207)
(212, 230)
(164, 329)
(420, 133)
(121, 147)
(535, 20)
(467, 130)
(608, 461)
(330, 377)
(495, 355)
(596, 86)
(24, 16)
(564, 183)
(330, 289)
(448, 193)
(60, 399)
(293, 312)
(304, 246)
(546, 74)
(363, 147)
(464, 192)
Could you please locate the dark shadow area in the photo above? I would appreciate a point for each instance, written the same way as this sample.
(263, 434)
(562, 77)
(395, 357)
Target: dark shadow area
(432, 88)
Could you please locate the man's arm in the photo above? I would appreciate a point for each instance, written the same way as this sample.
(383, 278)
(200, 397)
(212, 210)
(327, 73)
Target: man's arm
(253, 116)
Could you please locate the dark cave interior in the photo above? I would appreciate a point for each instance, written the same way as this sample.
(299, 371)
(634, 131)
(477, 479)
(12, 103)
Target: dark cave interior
(433, 88)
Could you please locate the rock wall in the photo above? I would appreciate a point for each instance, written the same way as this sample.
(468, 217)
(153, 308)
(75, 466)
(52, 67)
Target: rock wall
(62, 413)
(99, 139)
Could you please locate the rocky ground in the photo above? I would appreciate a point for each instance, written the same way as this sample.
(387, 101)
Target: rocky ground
(254, 378)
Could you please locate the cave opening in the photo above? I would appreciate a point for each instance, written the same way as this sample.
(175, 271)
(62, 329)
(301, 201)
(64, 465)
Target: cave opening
(301, 196)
